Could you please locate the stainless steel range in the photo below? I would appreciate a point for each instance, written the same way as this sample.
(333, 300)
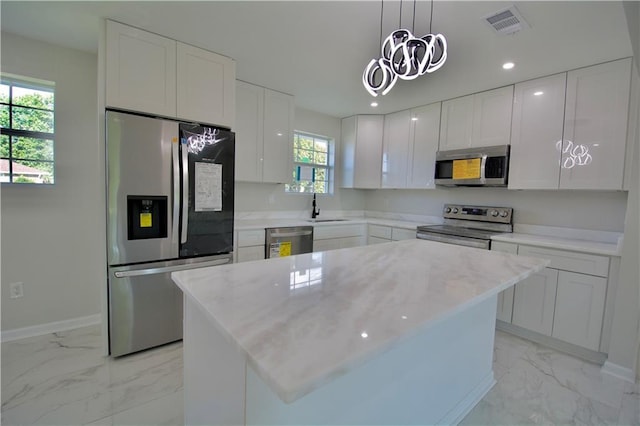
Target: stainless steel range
(470, 226)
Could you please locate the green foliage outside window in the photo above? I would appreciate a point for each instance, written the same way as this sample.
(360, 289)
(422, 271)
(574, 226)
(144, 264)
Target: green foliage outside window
(312, 164)
(26, 132)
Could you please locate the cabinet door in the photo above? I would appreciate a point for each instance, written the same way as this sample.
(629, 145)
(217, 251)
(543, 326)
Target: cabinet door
(595, 127)
(368, 151)
(140, 70)
(399, 234)
(536, 133)
(395, 149)
(248, 129)
(348, 133)
(579, 309)
(456, 123)
(534, 301)
(277, 166)
(505, 297)
(247, 254)
(425, 129)
(492, 117)
(205, 86)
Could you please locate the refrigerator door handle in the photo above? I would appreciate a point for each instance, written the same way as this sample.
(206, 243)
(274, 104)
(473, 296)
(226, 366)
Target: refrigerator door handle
(185, 193)
(165, 269)
(176, 192)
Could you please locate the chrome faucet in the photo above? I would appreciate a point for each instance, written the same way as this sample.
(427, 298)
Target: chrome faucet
(314, 213)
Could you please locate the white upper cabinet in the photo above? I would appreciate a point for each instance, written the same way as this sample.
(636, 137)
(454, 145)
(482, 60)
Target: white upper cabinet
(492, 117)
(395, 149)
(586, 148)
(456, 123)
(152, 74)
(264, 134)
(248, 129)
(277, 165)
(205, 86)
(482, 119)
(362, 151)
(536, 132)
(595, 127)
(409, 147)
(423, 138)
(140, 70)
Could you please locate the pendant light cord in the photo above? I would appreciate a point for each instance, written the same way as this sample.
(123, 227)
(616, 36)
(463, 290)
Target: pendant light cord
(413, 26)
(400, 17)
(381, 14)
(431, 18)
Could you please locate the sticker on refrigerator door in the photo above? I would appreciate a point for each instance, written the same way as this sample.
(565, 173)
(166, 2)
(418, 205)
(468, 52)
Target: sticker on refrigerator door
(280, 249)
(208, 187)
(145, 220)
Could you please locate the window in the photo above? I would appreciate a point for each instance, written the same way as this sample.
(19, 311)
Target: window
(26, 131)
(313, 164)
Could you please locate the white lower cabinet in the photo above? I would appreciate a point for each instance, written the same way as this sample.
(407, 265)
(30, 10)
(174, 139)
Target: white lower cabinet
(398, 234)
(250, 245)
(579, 309)
(332, 237)
(566, 301)
(384, 234)
(534, 301)
(505, 298)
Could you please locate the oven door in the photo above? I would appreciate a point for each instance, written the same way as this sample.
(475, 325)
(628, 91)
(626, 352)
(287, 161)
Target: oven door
(455, 239)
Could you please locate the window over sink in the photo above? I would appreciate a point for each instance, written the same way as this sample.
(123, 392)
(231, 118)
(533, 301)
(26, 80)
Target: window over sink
(313, 164)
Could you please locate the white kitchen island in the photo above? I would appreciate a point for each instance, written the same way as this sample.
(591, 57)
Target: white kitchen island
(394, 333)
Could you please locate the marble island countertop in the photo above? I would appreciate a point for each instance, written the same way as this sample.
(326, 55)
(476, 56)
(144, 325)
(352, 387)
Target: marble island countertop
(304, 320)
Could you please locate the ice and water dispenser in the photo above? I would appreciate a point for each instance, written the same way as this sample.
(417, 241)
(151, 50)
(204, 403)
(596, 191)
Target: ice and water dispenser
(147, 216)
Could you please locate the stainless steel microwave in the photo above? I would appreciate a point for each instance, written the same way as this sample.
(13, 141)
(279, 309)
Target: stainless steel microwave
(485, 166)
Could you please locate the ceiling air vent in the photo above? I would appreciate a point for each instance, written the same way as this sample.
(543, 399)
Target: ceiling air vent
(507, 21)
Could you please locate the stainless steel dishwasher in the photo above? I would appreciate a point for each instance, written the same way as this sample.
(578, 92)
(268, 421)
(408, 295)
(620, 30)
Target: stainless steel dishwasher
(288, 241)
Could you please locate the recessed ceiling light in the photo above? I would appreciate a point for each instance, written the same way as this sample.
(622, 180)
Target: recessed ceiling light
(538, 93)
(414, 118)
(374, 104)
(508, 65)
(279, 134)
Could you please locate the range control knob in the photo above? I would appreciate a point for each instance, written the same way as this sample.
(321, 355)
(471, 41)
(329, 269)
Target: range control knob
(504, 213)
(455, 210)
(447, 210)
(494, 213)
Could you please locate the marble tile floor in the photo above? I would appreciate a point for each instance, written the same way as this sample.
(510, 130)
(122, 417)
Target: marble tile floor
(63, 379)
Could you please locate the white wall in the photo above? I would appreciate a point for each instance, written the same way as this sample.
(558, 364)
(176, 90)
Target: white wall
(271, 197)
(625, 338)
(597, 210)
(53, 236)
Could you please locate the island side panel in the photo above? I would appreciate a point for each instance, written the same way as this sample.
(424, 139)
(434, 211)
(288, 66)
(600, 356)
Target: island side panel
(214, 373)
(435, 377)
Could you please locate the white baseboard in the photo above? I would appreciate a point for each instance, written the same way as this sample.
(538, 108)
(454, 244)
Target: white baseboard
(52, 327)
(618, 371)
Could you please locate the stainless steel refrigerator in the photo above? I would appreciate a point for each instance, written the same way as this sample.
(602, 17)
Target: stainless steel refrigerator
(169, 207)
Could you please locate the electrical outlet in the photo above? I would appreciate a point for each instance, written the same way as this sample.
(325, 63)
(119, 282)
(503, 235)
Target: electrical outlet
(15, 289)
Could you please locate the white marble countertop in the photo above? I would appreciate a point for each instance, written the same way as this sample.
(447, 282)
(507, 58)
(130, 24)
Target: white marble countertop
(582, 240)
(561, 243)
(304, 320)
(251, 224)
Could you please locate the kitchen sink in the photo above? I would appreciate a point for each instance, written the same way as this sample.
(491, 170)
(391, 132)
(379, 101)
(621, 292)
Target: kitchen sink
(326, 220)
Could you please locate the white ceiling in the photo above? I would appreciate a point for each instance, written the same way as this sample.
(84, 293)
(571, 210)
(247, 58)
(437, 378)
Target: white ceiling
(317, 50)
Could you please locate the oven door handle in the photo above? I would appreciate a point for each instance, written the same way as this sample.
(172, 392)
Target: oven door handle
(452, 239)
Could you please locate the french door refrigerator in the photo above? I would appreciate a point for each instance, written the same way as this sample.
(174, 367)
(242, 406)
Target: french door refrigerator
(169, 207)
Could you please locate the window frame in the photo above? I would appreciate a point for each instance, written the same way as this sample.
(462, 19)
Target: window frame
(22, 82)
(329, 167)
